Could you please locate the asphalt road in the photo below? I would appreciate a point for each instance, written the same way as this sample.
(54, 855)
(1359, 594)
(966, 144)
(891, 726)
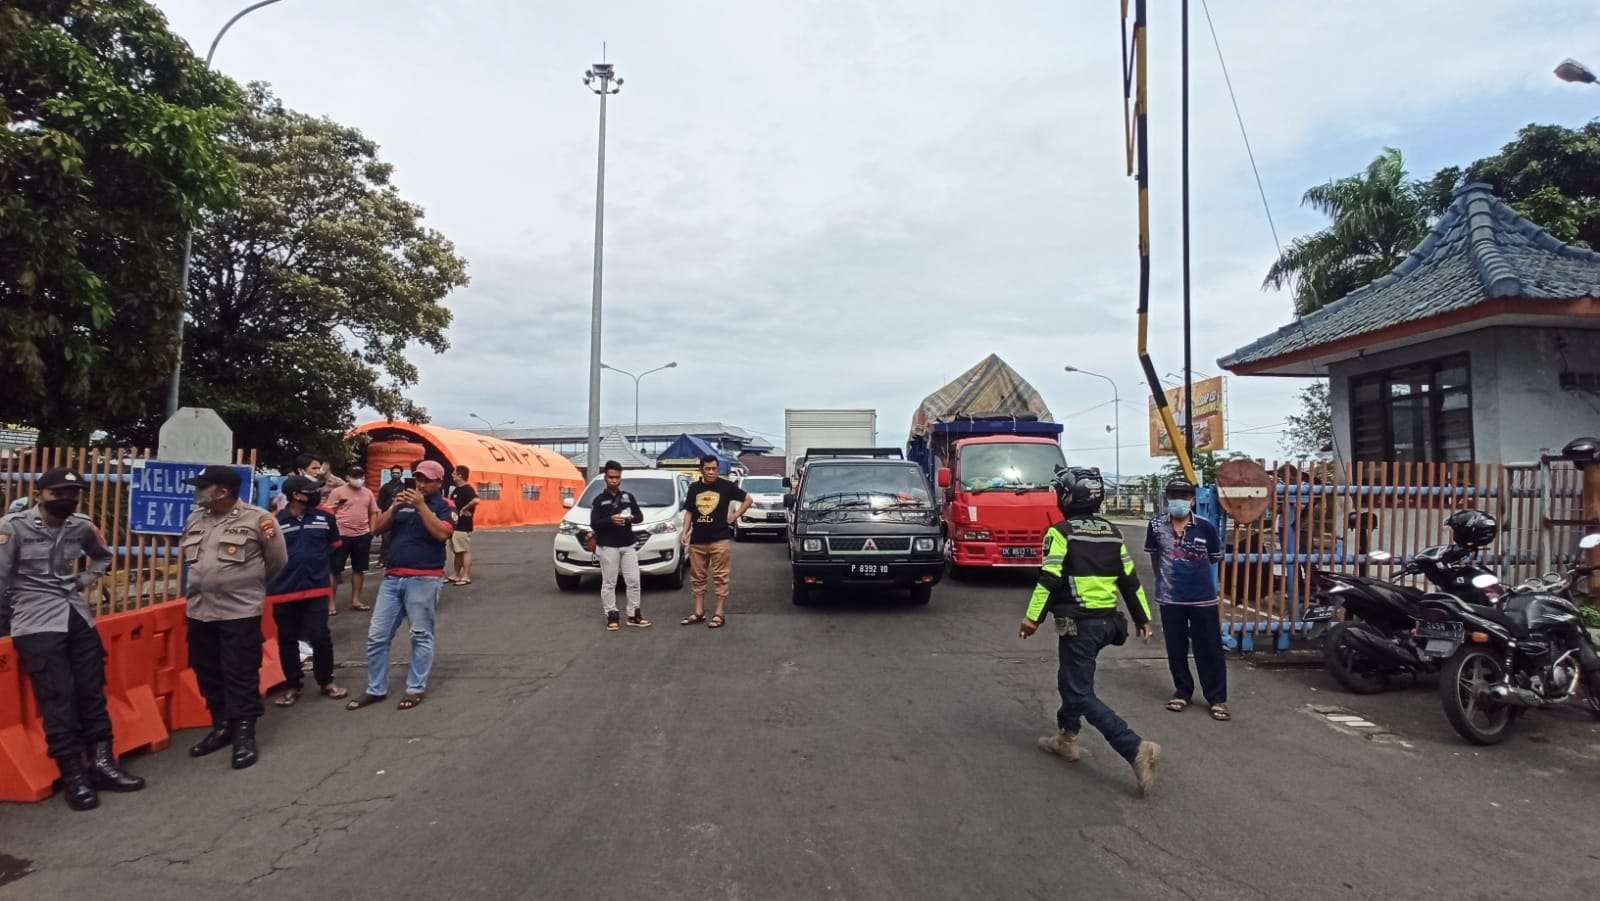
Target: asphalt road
(862, 747)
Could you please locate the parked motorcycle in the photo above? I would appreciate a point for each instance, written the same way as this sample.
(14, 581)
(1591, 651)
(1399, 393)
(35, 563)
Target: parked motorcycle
(1377, 640)
(1530, 652)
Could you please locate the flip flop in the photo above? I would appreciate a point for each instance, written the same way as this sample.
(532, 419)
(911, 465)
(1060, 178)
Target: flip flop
(333, 691)
(365, 700)
(287, 699)
(1219, 712)
(1176, 705)
(410, 701)
(333, 611)
(361, 607)
(717, 621)
(692, 619)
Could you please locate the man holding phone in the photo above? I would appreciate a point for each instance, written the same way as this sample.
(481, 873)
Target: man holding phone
(611, 521)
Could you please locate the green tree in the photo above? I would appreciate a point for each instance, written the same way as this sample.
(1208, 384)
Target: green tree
(305, 297)
(1205, 466)
(1550, 174)
(1378, 216)
(108, 148)
(1310, 431)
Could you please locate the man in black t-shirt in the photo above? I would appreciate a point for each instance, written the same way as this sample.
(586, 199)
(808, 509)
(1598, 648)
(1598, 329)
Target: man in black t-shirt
(708, 537)
(466, 500)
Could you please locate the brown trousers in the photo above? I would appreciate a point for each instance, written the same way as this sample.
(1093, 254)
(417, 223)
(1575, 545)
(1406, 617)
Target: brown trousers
(717, 558)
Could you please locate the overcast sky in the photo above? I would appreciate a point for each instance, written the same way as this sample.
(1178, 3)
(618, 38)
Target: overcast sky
(848, 203)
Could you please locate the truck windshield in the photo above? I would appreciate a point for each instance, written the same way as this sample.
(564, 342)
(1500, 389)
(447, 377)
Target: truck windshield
(1008, 467)
(875, 486)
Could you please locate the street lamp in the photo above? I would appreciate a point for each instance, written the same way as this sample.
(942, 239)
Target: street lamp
(492, 428)
(636, 379)
(608, 85)
(1116, 413)
(1574, 71)
(188, 234)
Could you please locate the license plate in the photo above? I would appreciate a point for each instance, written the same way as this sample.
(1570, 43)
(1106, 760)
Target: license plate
(1019, 552)
(869, 570)
(1327, 611)
(1440, 647)
(1452, 632)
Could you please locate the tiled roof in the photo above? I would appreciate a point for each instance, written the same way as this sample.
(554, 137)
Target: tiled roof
(1479, 250)
(647, 431)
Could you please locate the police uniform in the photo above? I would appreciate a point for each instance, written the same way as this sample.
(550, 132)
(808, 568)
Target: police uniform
(52, 628)
(228, 560)
(1086, 567)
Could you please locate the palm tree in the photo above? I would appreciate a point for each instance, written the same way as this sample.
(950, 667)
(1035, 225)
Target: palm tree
(1378, 217)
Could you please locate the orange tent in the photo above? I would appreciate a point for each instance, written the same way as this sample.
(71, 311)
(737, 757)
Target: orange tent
(518, 484)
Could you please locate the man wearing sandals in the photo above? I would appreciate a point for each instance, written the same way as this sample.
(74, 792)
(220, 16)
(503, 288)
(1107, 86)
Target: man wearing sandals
(416, 529)
(1183, 548)
(300, 591)
(611, 520)
(354, 506)
(708, 538)
(1085, 568)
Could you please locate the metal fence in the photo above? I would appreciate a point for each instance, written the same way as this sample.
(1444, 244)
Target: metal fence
(145, 568)
(1329, 517)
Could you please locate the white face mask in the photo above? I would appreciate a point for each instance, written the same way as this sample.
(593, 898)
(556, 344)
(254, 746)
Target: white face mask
(1180, 509)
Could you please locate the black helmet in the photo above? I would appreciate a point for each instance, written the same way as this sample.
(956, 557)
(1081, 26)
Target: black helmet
(1079, 490)
(299, 484)
(1582, 451)
(1472, 528)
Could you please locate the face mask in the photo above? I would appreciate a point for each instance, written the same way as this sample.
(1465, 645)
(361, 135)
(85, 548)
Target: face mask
(308, 501)
(206, 496)
(61, 507)
(1180, 509)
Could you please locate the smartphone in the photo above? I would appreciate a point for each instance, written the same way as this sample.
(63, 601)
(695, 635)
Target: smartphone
(409, 483)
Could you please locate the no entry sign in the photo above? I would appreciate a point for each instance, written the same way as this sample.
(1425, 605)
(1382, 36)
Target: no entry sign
(1244, 489)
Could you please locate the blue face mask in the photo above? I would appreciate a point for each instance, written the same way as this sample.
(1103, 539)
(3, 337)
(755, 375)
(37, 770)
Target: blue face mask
(1180, 509)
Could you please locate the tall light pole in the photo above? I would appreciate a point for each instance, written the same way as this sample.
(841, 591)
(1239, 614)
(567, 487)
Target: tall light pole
(1574, 71)
(636, 380)
(1116, 415)
(188, 234)
(492, 429)
(607, 85)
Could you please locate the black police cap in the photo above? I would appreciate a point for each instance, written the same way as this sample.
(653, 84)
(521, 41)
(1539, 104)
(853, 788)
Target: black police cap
(60, 477)
(216, 475)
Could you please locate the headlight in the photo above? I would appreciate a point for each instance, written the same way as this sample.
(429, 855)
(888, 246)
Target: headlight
(975, 535)
(664, 526)
(568, 528)
(924, 544)
(811, 545)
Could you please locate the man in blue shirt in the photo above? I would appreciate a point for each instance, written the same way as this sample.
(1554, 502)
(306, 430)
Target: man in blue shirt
(416, 529)
(1183, 549)
(299, 592)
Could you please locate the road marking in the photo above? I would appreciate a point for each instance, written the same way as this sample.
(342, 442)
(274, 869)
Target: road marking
(1352, 723)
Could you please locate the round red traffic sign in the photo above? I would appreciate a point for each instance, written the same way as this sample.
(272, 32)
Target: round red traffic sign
(1244, 488)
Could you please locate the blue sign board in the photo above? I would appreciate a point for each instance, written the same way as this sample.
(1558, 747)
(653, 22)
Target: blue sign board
(160, 502)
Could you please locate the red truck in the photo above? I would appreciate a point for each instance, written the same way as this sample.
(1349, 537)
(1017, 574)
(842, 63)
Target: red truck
(994, 479)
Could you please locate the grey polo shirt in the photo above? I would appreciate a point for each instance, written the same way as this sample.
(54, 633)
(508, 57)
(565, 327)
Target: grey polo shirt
(40, 584)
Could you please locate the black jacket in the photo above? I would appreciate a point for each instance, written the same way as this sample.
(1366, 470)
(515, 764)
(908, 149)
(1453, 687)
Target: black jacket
(607, 505)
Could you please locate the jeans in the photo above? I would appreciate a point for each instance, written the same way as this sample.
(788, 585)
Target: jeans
(613, 559)
(226, 658)
(415, 598)
(1182, 625)
(308, 621)
(68, 673)
(1075, 679)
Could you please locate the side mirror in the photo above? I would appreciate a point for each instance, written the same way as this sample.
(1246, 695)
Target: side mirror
(788, 500)
(944, 477)
(788, 482)
(1379, 557)
(1590, 542)
(568, 502)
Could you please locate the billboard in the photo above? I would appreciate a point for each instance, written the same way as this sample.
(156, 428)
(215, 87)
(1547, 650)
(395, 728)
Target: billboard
(1208, 418)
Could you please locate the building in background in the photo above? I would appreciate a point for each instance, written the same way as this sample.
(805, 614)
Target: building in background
(654, 437)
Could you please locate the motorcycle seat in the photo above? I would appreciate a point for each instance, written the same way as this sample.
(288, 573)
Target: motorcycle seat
(1513, 620)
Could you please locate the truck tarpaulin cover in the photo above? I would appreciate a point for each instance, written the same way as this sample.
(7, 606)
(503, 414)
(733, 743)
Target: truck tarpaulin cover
(989, 390)
(518, 484)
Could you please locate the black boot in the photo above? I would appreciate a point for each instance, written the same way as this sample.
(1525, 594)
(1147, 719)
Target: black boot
(218, 738)
(75, 785)
(244, 743)
(104, 773)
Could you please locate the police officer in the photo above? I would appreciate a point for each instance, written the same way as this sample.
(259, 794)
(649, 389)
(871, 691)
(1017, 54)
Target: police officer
(1086, 566)
(231, 550)
(42, 608)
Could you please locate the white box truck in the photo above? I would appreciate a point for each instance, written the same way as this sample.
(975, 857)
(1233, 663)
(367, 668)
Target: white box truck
(804, 429)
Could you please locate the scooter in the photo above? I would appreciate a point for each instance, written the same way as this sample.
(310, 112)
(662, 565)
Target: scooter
(1533, 651)
(1376, 641)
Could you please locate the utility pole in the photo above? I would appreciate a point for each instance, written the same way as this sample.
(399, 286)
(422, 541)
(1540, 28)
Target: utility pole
(607, 84)
(1188, 349)
(188, 233)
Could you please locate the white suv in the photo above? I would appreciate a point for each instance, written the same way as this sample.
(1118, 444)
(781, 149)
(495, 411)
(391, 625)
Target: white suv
(660, 493)
(766, 515)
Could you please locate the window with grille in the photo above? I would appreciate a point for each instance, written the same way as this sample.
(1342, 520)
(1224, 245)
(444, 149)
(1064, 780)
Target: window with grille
(489, 491)
(1418, 413)
(530, 492)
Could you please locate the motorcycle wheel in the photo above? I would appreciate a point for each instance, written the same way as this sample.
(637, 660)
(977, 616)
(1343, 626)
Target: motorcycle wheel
(1591, 695)
(1346, 665)
(1460, 683)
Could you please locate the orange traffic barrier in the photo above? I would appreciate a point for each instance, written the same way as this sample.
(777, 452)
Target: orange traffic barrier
(26, 771)
(130, 643)
(176, 689)
(271, 666)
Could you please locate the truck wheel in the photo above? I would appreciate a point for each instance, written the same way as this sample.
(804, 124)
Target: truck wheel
(921, 594)
(801, 594)
(568, 583)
